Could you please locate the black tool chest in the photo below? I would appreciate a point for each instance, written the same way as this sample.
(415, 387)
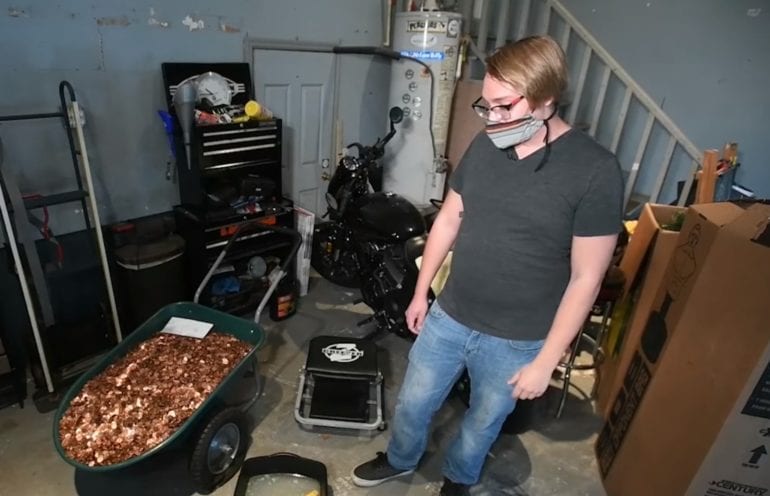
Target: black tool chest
(233, 178)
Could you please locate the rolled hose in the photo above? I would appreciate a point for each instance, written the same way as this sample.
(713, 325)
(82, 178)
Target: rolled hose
(367, 50)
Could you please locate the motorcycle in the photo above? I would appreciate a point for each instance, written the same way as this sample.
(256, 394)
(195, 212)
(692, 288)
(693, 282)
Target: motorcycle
(372, 238)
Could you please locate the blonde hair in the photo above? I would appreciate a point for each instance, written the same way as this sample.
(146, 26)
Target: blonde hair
(535, 65)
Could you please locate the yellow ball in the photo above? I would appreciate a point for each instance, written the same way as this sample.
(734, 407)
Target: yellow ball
(252, 109)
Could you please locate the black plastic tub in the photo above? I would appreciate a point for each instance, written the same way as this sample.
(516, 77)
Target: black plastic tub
(282, 463)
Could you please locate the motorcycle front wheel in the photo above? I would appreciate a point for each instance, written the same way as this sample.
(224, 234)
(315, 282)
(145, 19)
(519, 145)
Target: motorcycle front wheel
(333, 255)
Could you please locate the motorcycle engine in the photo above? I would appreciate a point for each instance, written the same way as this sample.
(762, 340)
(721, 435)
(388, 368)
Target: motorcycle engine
(390, 287)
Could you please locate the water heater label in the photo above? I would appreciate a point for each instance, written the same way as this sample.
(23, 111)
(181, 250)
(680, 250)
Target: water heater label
(423, 54)
(432, 26)
(423, 41)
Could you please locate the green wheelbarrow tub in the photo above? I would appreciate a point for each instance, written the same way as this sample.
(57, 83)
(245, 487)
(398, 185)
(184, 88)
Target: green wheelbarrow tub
(242, 329)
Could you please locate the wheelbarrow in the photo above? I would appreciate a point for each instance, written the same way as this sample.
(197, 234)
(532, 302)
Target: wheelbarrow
(217, 433)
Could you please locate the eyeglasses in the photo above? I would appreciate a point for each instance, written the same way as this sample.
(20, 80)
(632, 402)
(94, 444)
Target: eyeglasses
(498, 112)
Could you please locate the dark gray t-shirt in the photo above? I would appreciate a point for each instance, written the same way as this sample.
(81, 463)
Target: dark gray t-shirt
(511, 260)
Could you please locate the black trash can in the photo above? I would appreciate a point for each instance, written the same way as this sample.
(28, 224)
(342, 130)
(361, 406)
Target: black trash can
(151, 275)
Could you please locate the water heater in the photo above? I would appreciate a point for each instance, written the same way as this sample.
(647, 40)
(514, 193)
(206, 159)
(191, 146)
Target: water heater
(414, 166)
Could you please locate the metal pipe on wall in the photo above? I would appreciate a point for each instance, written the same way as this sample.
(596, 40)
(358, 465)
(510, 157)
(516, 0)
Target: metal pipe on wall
(466, 9)
(387, 20)
(503, 17)
(481, 41)
(524, 11)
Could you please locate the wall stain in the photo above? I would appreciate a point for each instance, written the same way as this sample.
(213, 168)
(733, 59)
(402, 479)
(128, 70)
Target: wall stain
(193, 24)
(101, 47)
(14, 12)
(113, 21)
(228, 28)
(153, 21)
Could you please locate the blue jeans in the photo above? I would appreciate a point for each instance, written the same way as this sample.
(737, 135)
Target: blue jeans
(442, 350)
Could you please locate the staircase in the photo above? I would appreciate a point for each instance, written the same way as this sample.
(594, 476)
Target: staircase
(603, 99)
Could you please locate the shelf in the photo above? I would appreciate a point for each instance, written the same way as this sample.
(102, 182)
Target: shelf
(29, 117)
(250, 293)
(215, 219)
(217, 169)
(236, 254)
(72, 270)
(57, 199)
(249, 304)
(80, 255)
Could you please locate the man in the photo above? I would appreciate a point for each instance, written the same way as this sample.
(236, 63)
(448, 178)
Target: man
(533, 212)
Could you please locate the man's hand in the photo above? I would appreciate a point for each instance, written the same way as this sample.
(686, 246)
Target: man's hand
(415, 313)
(531, 381)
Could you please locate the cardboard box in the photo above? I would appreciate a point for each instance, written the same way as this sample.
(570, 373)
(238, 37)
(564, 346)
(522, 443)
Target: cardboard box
(651, 222)
(644, 264)
(693, 415)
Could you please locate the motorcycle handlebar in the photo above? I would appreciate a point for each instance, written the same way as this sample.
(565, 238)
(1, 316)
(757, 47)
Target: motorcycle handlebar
(367, 153)
(380, 145)
(359, 147)
(377, 150)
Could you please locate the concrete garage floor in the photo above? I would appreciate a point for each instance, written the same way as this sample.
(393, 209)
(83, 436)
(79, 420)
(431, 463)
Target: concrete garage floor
(552, 457)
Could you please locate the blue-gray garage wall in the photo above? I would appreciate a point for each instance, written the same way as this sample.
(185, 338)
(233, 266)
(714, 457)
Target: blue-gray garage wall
(111, 52)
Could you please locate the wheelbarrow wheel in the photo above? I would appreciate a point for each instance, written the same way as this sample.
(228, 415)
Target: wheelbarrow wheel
(219, 450)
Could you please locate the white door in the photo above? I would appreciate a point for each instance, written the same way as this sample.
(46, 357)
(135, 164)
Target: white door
(298, 87)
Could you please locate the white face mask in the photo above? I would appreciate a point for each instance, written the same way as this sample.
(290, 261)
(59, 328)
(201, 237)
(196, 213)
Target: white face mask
(507, 134)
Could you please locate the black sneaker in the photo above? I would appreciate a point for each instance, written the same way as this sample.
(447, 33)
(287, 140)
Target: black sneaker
(376, 471)
(454, 489)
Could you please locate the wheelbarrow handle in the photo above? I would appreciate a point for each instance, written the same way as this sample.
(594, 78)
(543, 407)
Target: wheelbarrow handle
(216, 263)
(274, 277)
(296, 241)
